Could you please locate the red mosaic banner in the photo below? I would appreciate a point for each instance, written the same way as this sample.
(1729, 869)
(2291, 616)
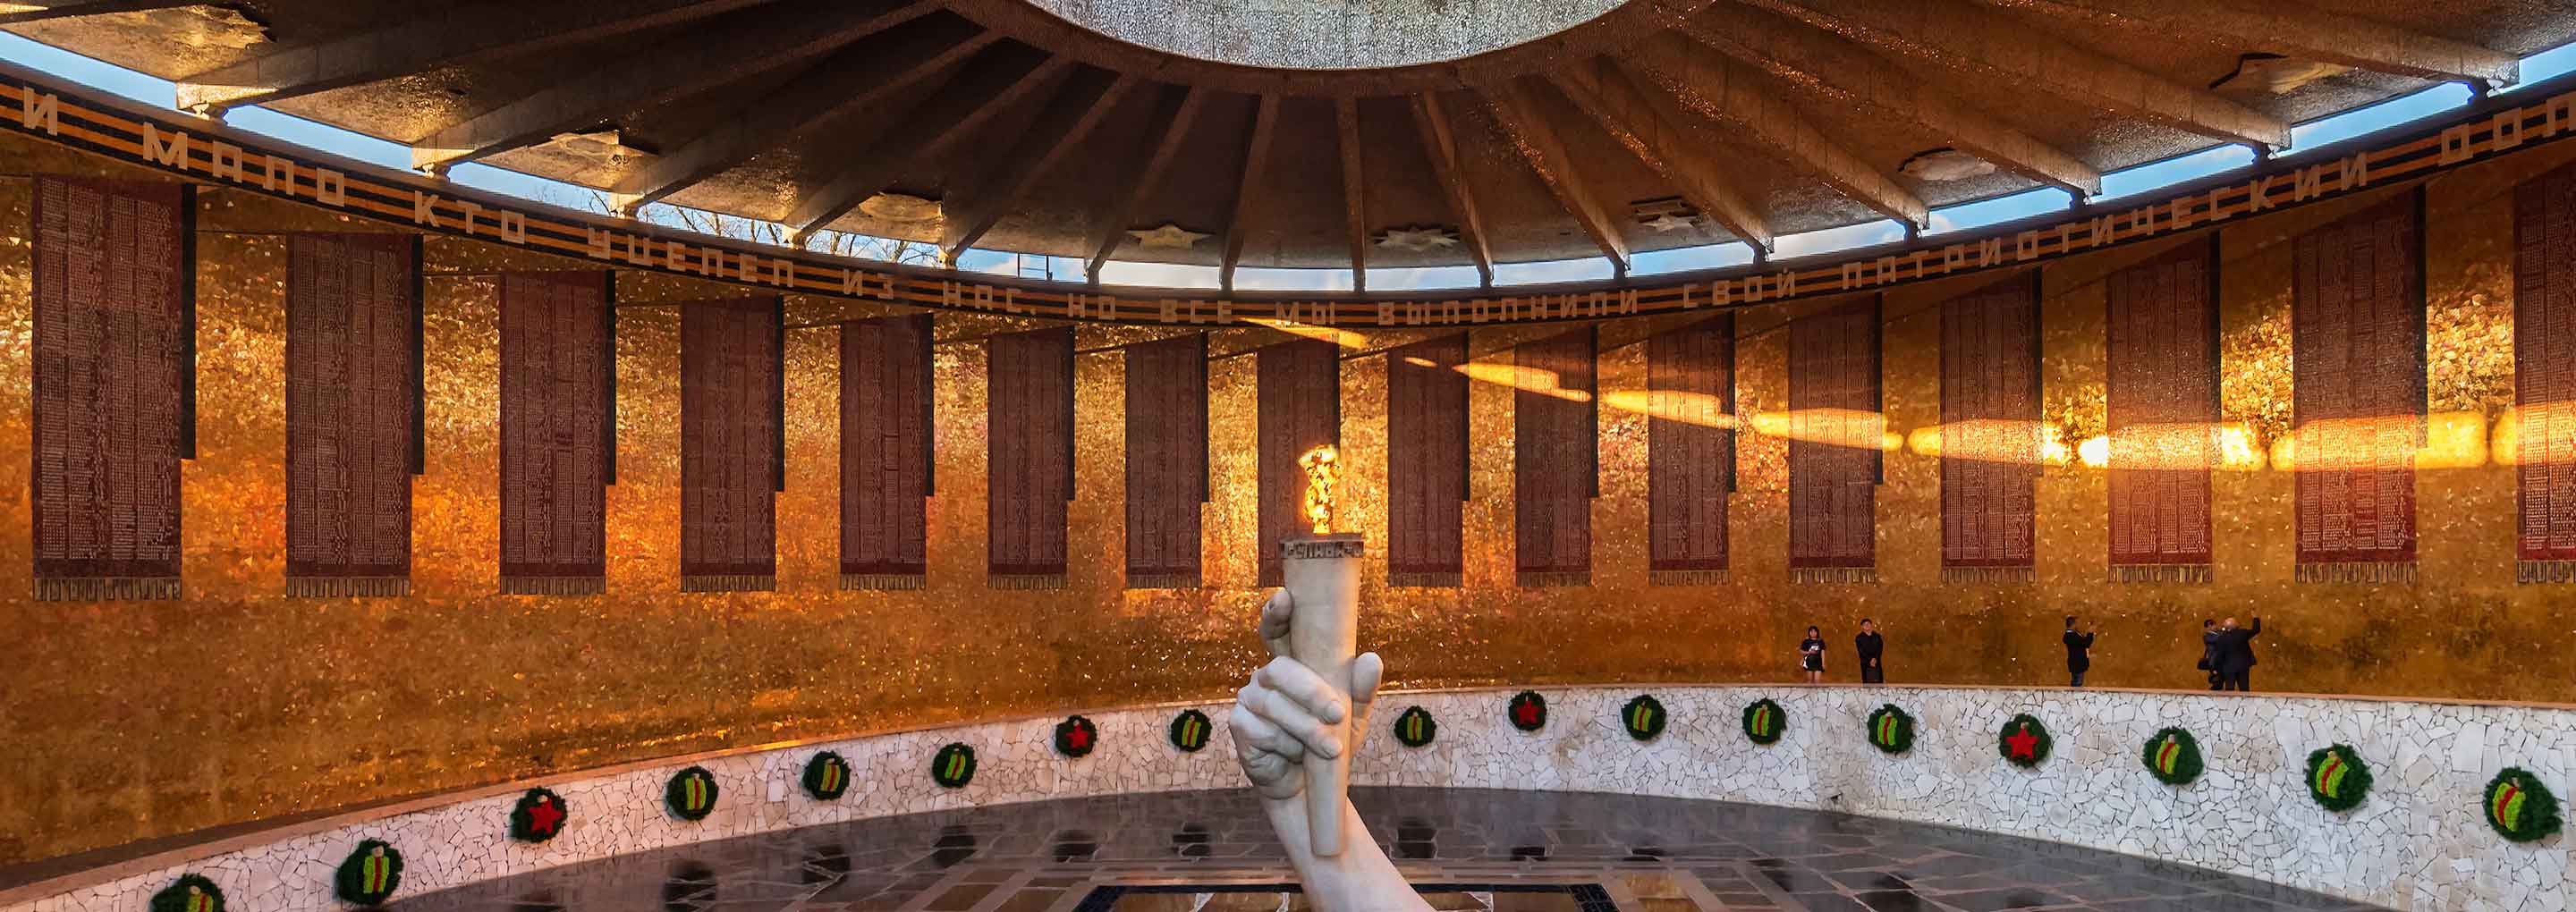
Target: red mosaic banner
(1556, 468)
(885, 452)
(353, 346)
(1990, 432)
(1029, 470)
(1299, 409)
(1426, 451)
(2544, 392)
(2162, 410)
(1690, 451)
(1167, 461)
(558, 430)
(731, 396)
(2357, 395)
(115, 355)
(1836, 427)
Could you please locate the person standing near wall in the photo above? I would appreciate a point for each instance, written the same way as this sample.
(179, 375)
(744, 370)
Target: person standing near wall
(2209, 650)
(2079, 653)
(1811, 656)
(2236, 654)
(1870, 647)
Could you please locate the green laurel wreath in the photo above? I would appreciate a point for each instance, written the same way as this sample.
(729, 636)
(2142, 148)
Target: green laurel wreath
(1415, 728)
(1068, 743)
(2173, 756)
(523, 819)
(1644, 717)
(1891, 730)
(191, 893)
(1529, 698)
(2337, 777)
(2517, 806)
(691, 793)
(1765, 721)
(372, 872)
(1190, 730)
(826, 776)
(2024, 722)
(953, 766)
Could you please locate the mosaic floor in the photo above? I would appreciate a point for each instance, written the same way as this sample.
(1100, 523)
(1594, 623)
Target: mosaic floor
(1468, 850)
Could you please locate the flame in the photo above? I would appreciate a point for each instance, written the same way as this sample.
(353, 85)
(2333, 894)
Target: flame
(1323, 474)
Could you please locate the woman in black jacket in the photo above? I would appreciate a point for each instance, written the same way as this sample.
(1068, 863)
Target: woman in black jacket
(1811, 655)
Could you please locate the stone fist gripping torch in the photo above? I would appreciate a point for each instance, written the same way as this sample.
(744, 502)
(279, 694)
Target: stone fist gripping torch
(1322, 573)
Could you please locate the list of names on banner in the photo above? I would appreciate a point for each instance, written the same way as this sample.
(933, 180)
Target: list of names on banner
(2163, 409)
(351, 412)
(112, 339)
(1990, 431)
(1836, 431)
(729, 389)
(1690, 450)
(885, 452)
(2357, 354)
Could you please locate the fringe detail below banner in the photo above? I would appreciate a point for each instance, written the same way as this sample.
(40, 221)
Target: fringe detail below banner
(883, 582)
(2534, 572)
(1554, 579)
(2371, 572)
(1687, 577)
(2160, 573)
(1162, 581)
(104, 589)
(1025, 581)
(729, 583)
(1988, 574)
(554, 585)
(348, 586)
(1833, 574)
(1424, 580)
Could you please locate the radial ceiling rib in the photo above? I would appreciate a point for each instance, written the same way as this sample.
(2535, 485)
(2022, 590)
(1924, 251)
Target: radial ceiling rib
(1346, 121)
(1546, 153)
(1651, 126)
(2290, 29)
(450, 35)
(1846, 72)
(853, 80)
(1068, 119)
(1175, 117)
(66, 9)
(933, 128)
(1247, 191)
(1955, 32)
(1440, 145)
(1732, 95)
(792, 34)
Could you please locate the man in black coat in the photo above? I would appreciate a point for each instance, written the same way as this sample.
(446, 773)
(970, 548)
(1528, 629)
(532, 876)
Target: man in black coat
(1870, 646)
(2236, 653)
(2079, 653)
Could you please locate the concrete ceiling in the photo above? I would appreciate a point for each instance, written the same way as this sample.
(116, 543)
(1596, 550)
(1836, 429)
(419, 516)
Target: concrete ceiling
(1645, 125)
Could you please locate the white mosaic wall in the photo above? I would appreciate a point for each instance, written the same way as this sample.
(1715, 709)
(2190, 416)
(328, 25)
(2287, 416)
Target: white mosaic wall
(2419, 841)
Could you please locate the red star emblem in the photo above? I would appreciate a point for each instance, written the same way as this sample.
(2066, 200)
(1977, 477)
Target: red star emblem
(1078, 738)
(2024, 745)
(1526, 713)
(544, 817)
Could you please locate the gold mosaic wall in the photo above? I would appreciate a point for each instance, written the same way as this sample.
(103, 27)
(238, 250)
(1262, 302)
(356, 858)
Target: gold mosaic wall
(141, 719)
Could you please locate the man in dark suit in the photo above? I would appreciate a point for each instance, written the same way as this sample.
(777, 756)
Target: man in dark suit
(2209, 650)
(2079, 653)
(2236, 654)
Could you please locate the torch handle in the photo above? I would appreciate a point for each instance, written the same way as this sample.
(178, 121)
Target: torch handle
(1323, 635)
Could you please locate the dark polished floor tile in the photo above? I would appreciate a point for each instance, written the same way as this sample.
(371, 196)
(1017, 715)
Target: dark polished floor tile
(2002, 900)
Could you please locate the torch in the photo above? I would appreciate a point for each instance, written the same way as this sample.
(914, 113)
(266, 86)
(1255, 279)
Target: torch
(1322, 571)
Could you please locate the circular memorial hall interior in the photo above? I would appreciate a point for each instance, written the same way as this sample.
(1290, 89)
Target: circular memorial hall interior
(1227, 455)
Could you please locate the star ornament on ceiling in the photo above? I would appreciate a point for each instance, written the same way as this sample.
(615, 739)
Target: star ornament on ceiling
(1418, 239)
(1170, 236)
(1670, 222)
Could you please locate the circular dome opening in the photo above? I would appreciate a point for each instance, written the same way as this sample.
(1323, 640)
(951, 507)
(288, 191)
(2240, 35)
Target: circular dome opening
(1328, 34)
